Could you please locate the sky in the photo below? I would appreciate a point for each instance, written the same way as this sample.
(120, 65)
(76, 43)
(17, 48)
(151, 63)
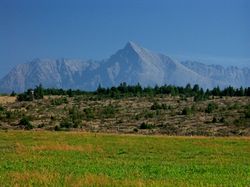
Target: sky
(214, 31)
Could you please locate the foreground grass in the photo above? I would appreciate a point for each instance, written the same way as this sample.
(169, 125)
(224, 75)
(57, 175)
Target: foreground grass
(82, 159)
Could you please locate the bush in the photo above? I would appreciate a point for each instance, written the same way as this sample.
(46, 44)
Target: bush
(27, 96)
(222, 120)
(186, 111)
(8, 114)
(146, 126)
(211, 107)
(30, 94)
(148, 114)
(157, 106)
(234, 106)
(135, 130)
(59, 101)
(26, 123)
(214, 120)
(57, 128)
(40, 125)
(247, 112)
(38, 92)
(109, 111)
(1, 108)
(89, 113)
(66, 124)
(239, 122)
(200, 97)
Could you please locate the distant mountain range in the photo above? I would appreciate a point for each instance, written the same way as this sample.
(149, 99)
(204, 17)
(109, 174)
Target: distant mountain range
(132, 64)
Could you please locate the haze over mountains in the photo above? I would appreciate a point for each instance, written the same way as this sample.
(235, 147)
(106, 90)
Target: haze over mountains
(132, 64)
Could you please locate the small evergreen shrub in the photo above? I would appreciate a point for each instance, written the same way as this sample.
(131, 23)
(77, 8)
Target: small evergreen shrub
(8, 114)
(222, 120)
(214, 120)
(1, 108)
(26, 123)
(135, 130)
(186, 111)
(149, 114)
(211, 107)
(59, 101)
(57, 128)
(157, 106)
(66, 124)
(247, 112)
(109, 111)
(89, 113)
(146, 126)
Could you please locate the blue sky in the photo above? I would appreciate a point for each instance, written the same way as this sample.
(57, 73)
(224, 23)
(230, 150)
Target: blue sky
(214, 31)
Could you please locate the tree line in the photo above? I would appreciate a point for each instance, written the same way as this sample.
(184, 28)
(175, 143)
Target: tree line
(124, 90)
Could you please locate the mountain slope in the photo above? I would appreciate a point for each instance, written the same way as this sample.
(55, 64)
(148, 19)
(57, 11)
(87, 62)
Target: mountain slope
(233, 76)
(132, 64)
(51, 73)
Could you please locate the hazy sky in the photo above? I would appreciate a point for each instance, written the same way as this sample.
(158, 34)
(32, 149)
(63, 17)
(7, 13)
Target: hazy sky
(214, 31)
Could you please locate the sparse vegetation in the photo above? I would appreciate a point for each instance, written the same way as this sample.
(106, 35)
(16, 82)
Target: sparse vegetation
(247, 112)
(25, 122)
(211, 107)
(170, 109)
(59, 101)
(89, 113)
(157, 106)
(65, 125)
(109, 111)
(187, 111)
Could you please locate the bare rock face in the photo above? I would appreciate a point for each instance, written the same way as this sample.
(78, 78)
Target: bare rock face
(221, 76)
(132, 64)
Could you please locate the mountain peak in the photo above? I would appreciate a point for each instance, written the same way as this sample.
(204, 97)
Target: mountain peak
(131, 64)
(132, 45)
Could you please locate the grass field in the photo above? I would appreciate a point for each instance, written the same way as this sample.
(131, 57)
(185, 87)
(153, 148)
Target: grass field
(33, 158)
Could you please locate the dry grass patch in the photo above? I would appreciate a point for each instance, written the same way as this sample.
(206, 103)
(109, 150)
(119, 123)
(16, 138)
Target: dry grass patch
(20, 148)
(89, 180)
(29, 178)
(7, 99)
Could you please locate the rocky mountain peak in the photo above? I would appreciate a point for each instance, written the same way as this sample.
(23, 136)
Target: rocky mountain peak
(132, 64)
(132, 47)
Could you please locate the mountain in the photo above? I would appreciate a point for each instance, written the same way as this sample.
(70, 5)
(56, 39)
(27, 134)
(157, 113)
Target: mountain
(132, 64)
(233, 76)
(60, 73)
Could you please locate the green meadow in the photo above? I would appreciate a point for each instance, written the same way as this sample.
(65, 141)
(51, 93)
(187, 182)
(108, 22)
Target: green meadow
(42, 158)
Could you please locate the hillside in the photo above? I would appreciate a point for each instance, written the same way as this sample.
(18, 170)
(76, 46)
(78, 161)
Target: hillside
(161, 114)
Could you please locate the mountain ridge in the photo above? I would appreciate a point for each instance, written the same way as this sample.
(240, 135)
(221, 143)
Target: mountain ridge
(132, 64)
